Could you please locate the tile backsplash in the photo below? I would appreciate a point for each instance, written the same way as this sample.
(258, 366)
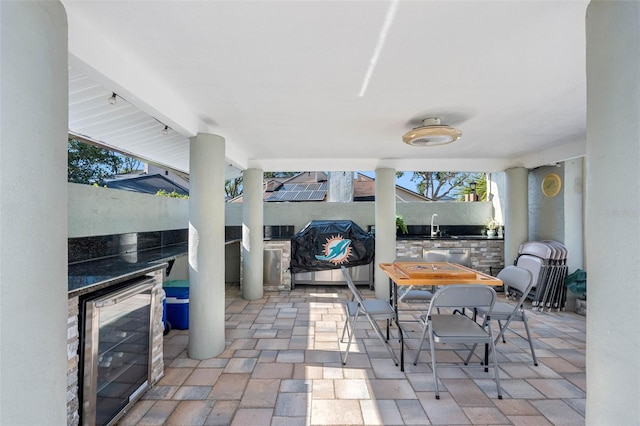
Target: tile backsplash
(89, 248)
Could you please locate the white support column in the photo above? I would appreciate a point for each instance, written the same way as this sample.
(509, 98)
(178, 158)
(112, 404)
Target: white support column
(385, 207)
(33, 220)
(252, 235)
(516, 214)
(573, 219)
(206, 246)
(613, 212)
(341, 187)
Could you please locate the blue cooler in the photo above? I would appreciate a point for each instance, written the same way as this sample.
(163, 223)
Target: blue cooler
(177, 304)
(175, 283)
(164, 312)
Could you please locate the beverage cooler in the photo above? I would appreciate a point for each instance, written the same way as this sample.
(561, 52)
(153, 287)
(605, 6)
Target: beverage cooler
(115, 350)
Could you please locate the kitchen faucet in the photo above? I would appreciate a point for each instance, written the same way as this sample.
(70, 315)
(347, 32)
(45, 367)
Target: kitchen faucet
(437, 231)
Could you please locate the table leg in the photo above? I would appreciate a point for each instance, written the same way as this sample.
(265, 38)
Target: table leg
(393, 296)
(486, 357)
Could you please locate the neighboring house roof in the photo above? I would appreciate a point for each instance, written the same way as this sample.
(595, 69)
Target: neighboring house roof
(404, 194)
(133, 173)
(308, 177)
(364, 189)
(148, 184)
(312, 186)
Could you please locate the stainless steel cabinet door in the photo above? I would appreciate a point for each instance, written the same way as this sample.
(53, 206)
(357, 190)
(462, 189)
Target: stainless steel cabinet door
(272, 266)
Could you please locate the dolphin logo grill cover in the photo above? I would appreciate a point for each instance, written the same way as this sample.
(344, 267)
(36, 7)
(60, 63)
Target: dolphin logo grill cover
(330, 244)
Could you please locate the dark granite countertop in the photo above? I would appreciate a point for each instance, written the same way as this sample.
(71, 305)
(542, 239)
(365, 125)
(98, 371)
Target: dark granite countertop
(89, 276)
(237, 240)
(448, 237)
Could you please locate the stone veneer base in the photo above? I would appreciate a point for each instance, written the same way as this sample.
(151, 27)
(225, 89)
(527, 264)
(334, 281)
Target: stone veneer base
(487, 255)
(73, 343)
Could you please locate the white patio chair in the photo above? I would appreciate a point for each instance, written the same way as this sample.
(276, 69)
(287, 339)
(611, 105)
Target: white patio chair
(520, 280)
(452, 328)
(373, 310)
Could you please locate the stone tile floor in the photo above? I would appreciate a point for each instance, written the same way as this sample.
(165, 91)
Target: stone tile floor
(282, 366)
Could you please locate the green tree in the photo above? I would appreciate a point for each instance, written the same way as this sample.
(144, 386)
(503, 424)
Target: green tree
(268, 175)
(129, 164)
(90, 164)
(172, 194)
(233, 187)
(440, 185)
(481, 187)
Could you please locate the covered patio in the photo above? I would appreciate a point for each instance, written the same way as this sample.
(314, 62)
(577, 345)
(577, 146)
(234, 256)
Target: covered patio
(282, 366)
(284, 98)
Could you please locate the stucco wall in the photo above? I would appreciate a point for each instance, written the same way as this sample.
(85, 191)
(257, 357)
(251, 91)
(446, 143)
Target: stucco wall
(496, 190)
(546, 215)
(103, 211)
(362, 213)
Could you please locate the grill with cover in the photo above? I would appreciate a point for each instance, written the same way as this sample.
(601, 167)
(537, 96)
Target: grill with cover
(330, 244)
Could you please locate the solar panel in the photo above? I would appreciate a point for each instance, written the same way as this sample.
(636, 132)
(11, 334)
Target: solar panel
(303, 195)
(276, 196)
(288, 196)
(300, 192)
(317, 195)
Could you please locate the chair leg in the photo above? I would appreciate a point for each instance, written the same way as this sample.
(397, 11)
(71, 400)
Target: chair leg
(351, 336)
(433, 364)
(473, 349)
(376, 328)
(424, 334)
(526, 327)
(344, 329)
(502, 331)
(495, 366)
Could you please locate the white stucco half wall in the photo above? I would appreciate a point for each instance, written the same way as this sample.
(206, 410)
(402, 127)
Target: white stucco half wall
(103, 211)
(298, 214)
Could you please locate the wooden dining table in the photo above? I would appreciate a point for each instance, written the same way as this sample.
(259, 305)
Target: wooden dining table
(430, 274)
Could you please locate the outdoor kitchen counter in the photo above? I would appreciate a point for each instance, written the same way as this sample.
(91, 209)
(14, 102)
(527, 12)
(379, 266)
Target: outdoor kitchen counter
(89, 276)
(486, 254)
(447, 237)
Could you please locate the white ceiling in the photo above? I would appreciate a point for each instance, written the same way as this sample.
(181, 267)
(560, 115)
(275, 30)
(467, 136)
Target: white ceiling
(332, 85)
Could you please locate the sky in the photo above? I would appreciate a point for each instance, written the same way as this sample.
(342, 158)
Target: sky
(404, 181)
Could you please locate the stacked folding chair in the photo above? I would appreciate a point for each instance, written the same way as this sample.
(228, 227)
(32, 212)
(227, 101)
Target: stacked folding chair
(547, 261)
(557, 296)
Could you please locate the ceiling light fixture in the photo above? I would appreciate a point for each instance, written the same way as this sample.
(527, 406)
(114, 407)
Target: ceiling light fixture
(165, 131)
(432, 133)
(113, 99)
